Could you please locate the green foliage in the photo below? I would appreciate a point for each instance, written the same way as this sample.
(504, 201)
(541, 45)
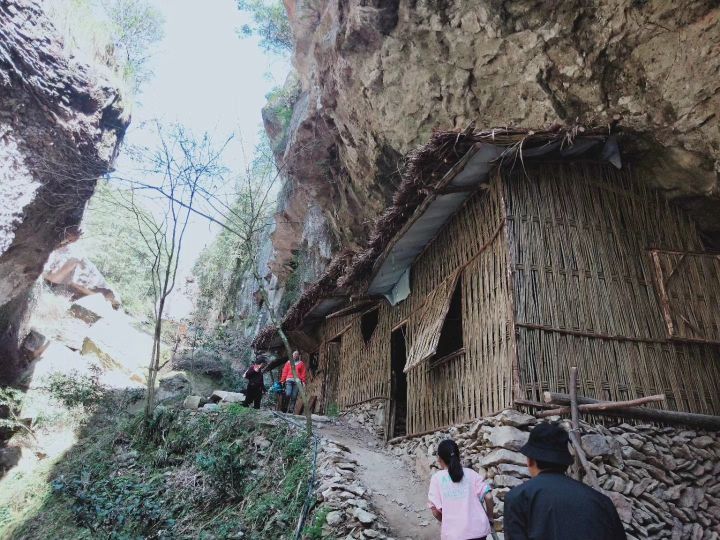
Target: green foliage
(282, 99)
(184, 475)
(270, 24)
(278, 111)
(73, 390)
(332, 410)
(314, 531)
(10, 403)
(117, 33)
(112, 243)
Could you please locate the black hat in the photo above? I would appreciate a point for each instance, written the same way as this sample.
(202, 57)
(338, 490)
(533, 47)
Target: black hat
(259, 360)
(548, 442)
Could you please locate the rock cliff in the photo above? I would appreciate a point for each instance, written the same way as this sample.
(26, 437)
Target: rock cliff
(378, 75)
(60, 126)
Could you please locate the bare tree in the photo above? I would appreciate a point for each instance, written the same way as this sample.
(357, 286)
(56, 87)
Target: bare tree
(187, 188)
(178, 170)
(250, 220)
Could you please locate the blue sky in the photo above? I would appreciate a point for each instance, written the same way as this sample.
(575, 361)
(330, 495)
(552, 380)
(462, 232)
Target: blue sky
(206, 77)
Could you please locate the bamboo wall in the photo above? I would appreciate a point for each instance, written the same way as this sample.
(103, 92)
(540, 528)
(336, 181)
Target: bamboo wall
(585, 292)
(577, 241)
(471, 384)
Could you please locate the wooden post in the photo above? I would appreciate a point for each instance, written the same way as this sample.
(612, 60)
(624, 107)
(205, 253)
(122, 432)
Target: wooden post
(575, 430)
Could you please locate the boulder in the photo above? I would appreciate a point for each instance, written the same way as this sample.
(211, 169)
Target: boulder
(364, 517)
(173, 386)
(119, 345)
(192, 402)
(33, 345)
(9, 457)
(596, 445)
(502, 455)
(515, 470)
(71, 332)
(505, 480)
(508, 437)
(226, 397)
(69, 267)
(511, 417)
(334, 518)
(92, 308)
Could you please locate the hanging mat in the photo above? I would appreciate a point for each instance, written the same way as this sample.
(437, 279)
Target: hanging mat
(428, 322)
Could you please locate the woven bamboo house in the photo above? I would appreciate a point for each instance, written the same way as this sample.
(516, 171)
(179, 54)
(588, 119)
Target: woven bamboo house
(506, 258)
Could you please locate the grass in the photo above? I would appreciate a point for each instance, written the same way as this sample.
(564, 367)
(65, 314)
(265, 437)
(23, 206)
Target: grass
(226, 475)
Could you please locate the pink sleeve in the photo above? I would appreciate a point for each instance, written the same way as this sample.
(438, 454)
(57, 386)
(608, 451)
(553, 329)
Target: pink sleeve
(434, 498)
(480, 486)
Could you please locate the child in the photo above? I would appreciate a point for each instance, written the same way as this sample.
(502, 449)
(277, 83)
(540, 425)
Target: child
(455, 497)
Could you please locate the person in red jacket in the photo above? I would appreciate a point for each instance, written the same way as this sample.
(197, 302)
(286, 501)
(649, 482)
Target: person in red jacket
(291, 384)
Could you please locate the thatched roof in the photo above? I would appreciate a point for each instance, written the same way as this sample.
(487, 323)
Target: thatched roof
(428, 164)
(326, 285)
(424, 169)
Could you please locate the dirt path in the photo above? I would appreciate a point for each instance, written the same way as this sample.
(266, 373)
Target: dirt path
(396, 492)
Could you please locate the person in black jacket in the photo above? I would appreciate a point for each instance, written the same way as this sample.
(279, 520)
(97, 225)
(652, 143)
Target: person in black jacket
(256, 384)
(553, 506)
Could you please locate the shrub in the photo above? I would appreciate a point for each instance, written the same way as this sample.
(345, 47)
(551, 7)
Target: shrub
(75, 390)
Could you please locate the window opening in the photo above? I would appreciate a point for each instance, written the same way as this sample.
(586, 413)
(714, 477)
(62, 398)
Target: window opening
(368, 323)
(451, 334)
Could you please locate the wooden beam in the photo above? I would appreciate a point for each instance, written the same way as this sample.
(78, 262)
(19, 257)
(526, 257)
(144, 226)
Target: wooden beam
(349, 310)
(536, 404)
(702, 421)
(604, 406)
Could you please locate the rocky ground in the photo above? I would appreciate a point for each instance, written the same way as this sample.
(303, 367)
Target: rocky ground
(663, 480)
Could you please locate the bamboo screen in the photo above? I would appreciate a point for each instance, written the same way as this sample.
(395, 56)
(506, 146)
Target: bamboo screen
(583, 287)
(689, 290)
(479, 380)
(428, 320)
(470, 384)
(364, 370)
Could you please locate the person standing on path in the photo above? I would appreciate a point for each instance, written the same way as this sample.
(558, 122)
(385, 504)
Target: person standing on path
(456, 495)
(256, 385)
(292, 384)
(551, 505)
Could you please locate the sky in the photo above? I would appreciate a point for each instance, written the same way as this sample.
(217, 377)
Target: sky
(206, 78)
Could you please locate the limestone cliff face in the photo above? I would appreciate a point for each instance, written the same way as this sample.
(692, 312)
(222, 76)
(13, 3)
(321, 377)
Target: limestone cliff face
(378, 75)
(60, 126)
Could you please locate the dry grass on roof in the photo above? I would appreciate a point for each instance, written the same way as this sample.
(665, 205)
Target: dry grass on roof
(326, 285)
(426, 166)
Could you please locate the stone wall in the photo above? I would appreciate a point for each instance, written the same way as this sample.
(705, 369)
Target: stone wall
(341, 496)
(663, 480)
(368, 416)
